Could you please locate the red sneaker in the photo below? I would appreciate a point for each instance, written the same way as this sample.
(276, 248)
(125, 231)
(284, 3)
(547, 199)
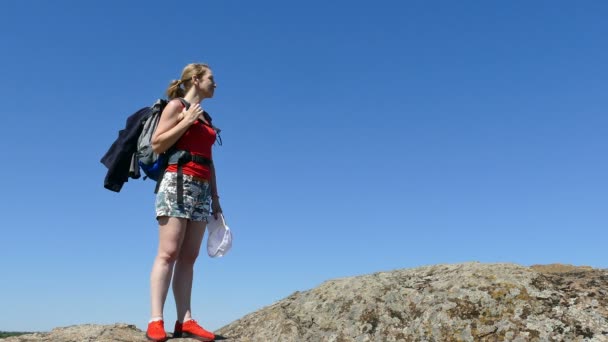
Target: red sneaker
(193, 330)
(156, 331)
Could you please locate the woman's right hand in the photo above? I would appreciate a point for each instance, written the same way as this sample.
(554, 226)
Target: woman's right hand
(170, 127)
(192, 114)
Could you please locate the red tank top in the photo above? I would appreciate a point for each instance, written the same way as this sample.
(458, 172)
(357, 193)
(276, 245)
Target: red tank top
(197, 140)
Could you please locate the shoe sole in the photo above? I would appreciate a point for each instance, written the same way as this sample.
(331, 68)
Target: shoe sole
(156, 340)
(196, 337)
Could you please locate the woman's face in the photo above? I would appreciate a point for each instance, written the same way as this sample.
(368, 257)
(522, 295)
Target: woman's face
(206, 84)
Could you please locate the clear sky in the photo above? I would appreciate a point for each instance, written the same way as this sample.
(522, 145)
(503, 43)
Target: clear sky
(358, 137)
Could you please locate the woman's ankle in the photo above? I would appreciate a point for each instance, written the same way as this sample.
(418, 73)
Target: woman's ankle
(155, 318)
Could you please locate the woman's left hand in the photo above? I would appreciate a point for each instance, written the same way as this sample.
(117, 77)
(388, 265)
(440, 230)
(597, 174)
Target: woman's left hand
(215, 207)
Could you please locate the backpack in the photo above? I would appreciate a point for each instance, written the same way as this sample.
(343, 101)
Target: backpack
(149, 161)
(132, 150)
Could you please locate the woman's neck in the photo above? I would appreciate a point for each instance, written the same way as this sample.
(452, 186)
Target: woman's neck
(193, 97)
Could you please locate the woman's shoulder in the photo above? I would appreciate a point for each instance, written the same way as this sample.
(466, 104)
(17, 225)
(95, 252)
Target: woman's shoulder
(178, 102)
(174, 106)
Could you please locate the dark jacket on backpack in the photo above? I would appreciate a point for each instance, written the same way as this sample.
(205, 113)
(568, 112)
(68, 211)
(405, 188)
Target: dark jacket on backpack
(120, 158)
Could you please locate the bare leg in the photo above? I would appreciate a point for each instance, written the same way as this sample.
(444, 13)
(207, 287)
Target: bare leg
(184, 269)
(171, 235)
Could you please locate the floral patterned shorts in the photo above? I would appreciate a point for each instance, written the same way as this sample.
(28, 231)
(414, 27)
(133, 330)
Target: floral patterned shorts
(197, 198)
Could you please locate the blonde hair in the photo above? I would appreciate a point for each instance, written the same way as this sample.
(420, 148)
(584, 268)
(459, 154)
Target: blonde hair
(178, 88)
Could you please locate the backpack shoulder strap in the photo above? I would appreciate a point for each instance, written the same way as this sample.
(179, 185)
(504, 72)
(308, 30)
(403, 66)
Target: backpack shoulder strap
(185, 103)
(216, 129)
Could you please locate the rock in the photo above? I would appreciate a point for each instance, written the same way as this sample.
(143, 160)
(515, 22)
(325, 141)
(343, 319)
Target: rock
(86, 332)
(461, 302)
(443, 303)
(559, 268)
(118, 332)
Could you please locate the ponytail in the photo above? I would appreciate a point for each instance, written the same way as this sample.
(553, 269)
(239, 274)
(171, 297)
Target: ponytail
(175, 90)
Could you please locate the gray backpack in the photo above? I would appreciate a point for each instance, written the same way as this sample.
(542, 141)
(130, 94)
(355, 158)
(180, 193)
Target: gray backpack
(149, 161)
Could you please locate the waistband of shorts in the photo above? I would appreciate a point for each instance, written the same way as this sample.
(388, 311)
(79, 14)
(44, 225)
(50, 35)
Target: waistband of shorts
(200, 179)
(194, 178)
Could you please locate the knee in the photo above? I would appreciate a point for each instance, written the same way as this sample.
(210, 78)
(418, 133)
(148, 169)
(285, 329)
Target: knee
(169, 256)
(187, 257)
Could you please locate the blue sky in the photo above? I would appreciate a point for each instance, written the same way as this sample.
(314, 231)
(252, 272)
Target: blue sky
(358, 137)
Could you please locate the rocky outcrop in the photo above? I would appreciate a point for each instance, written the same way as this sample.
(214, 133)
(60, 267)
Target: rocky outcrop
(461, 302)
(85, 333)
(119, 332)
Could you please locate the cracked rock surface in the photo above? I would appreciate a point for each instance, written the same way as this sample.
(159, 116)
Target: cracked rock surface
(460, 302)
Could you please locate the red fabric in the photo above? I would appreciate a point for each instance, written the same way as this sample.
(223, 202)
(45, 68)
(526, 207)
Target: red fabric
(191, 329)
(156, 331)
(197, 140)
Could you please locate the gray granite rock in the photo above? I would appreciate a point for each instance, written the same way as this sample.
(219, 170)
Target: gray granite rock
(119, 332)
(443, 303)
(85, 333)
(462, 302)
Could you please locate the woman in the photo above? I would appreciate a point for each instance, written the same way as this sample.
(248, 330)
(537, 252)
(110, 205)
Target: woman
(182, 217)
